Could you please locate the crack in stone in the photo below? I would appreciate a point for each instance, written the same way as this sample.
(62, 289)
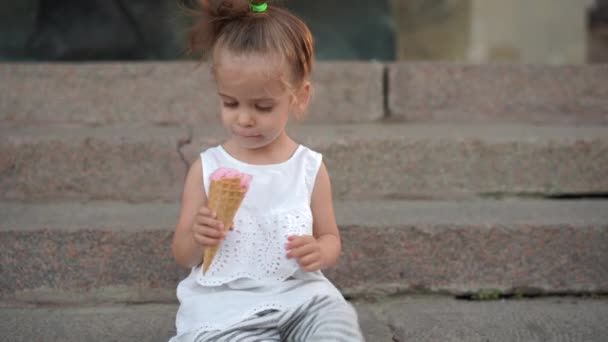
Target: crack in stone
(393, 330)
(598, 195)
(181, 143)
(381, 315)
(385, 92)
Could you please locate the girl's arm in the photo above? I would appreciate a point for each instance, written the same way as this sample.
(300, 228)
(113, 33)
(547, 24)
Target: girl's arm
(321, 250)
(186, 251)
(325, 229)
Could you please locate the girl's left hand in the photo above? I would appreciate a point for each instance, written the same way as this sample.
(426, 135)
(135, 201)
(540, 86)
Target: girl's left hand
(307, 250)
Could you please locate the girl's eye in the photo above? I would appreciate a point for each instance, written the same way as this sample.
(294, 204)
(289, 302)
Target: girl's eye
(230, 104)
(264, 109)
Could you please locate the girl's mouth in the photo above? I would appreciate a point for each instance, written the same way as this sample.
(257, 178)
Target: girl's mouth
(248, 135)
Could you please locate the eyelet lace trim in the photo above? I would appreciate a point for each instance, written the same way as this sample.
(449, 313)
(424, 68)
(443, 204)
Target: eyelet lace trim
(255, 249)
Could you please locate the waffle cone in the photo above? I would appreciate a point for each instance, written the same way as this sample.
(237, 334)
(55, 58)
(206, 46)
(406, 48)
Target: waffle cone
(225, 197)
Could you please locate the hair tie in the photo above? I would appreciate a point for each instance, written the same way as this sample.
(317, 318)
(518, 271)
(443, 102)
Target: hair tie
(258, 8)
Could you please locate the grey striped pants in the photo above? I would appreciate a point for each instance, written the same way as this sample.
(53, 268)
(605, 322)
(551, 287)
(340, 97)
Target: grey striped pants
(320, 319)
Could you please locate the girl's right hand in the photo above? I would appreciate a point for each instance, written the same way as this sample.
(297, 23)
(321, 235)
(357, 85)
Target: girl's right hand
(207, 230)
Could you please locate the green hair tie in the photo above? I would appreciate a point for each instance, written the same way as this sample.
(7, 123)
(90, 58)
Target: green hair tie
(259, 8)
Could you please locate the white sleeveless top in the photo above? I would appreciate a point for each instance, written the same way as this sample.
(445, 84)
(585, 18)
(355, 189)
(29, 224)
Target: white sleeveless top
(251, 272)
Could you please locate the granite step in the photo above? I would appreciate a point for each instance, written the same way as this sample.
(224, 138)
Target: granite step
(166, 93)
(139, 163)
(130, 163)
(74, 252)
(411, 318)
(493, 93)
(345, 92)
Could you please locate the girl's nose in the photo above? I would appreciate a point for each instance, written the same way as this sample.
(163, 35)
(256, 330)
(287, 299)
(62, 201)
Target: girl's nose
(245, 119)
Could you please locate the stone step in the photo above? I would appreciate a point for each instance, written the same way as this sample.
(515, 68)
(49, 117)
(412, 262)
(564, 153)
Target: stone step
(166, 93)
(431, 92)
(415, 318)
(345, 92)
(138, 163)
(110, 251)
(131, 163)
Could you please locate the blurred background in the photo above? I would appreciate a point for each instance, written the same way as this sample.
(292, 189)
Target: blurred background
(477, 31)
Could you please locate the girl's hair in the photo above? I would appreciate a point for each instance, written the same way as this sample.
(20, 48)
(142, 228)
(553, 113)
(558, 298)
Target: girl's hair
(231, 24)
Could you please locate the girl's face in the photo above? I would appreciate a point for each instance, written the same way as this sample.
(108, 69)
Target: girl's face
(254, 100)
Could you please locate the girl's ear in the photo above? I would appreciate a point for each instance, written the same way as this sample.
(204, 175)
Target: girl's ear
(302, 99)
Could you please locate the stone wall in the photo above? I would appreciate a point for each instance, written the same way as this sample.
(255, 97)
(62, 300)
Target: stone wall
(154, 29)
(17, 22)
(88, 30)
(429, 30)
(540, 31)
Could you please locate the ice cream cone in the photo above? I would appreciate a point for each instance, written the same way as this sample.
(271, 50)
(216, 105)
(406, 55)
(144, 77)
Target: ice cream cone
(225, 197)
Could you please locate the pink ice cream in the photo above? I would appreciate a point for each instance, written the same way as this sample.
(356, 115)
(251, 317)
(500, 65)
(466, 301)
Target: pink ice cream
(223, 173)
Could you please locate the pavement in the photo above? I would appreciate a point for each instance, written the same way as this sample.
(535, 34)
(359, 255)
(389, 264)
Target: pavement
(403, 318)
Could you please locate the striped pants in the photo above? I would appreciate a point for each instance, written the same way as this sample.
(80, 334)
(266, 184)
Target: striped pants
(321, 319)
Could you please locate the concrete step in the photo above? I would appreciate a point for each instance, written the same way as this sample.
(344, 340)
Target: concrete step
(399, 319)
(345, 92)
(138, 163)
(166, 93)
(131, 163)
(432, 92)
(110, 251)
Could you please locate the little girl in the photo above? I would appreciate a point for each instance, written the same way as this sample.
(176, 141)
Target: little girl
(265, 283)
